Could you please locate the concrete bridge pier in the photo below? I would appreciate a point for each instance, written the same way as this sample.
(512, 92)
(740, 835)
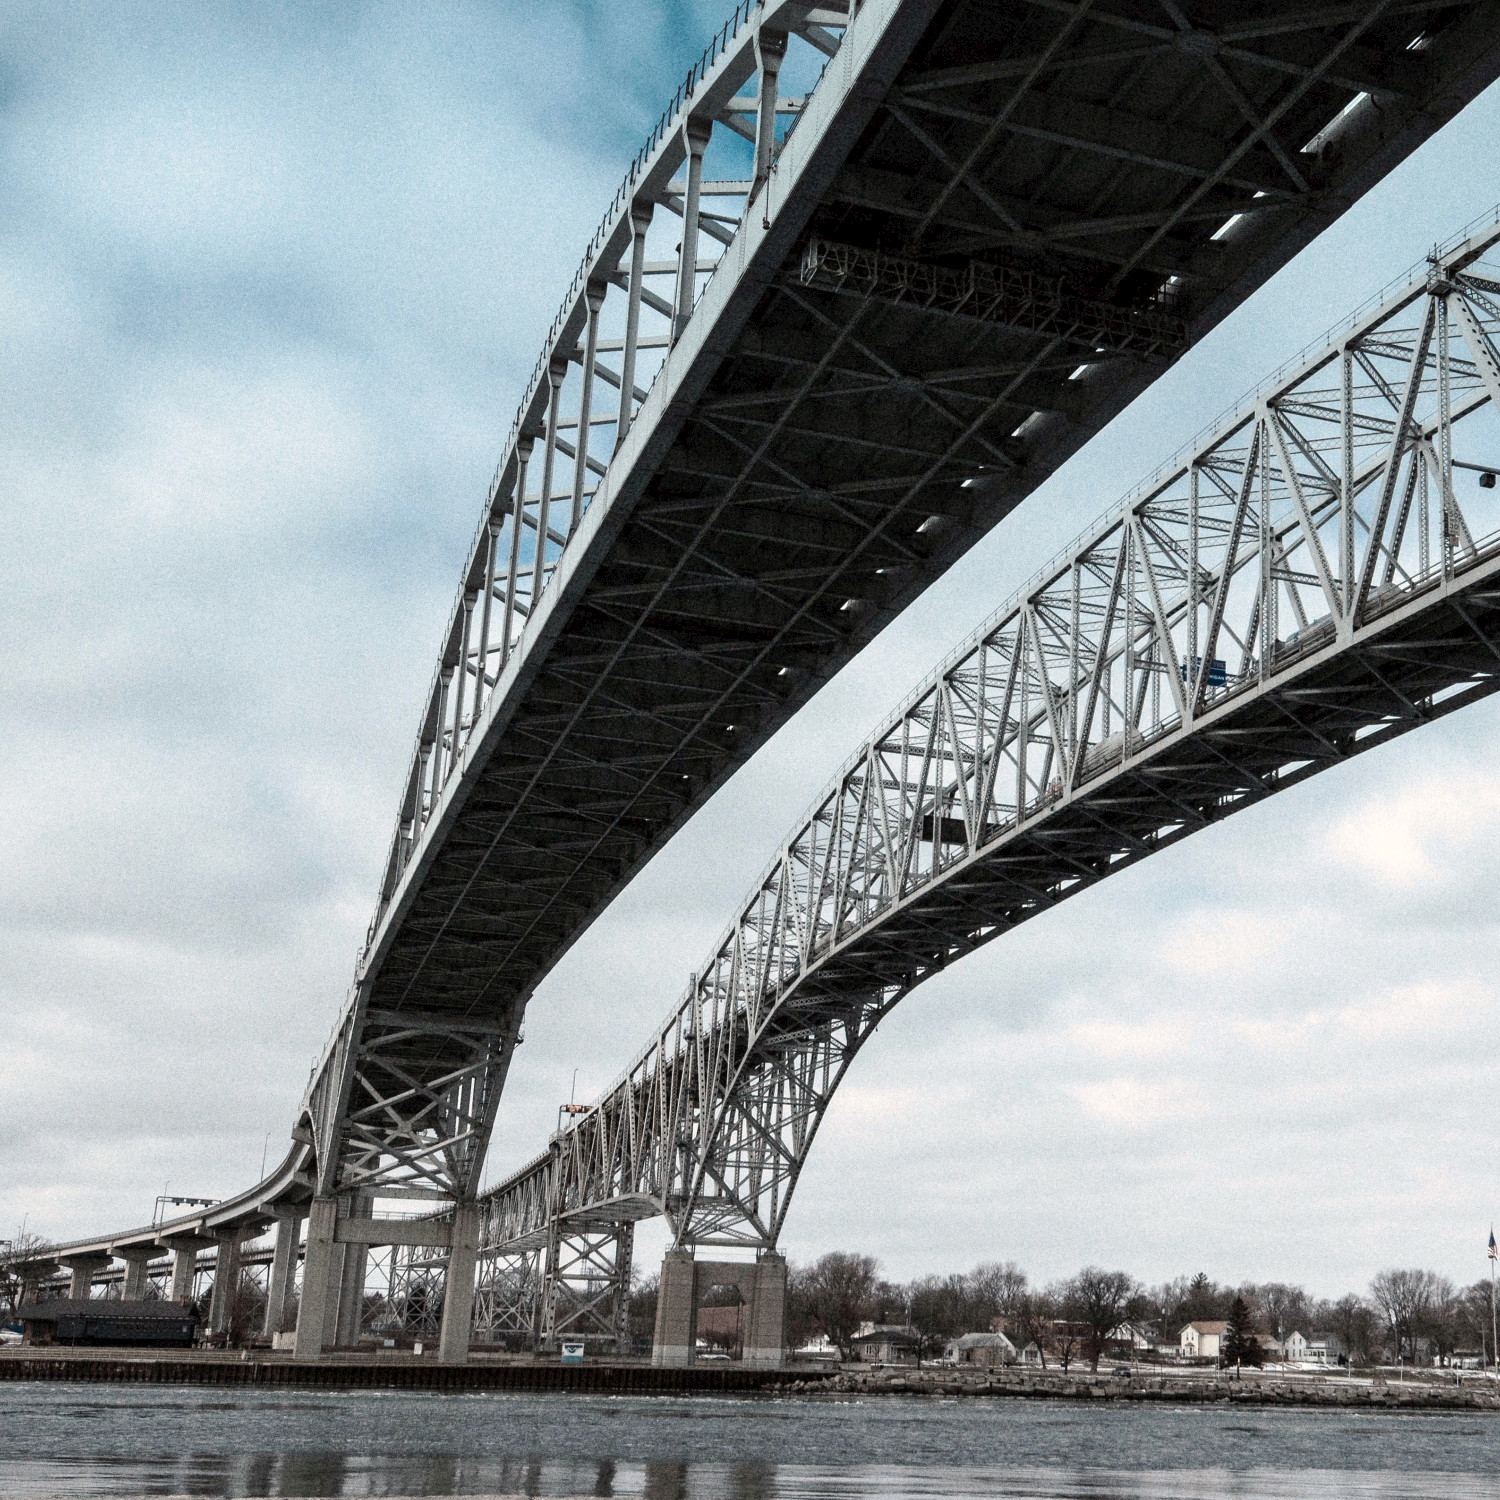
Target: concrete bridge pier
(33, 1275)
(762, 1285)
(283, 1279)
(137, 1273)
(184, 1250)
(355, 1259)
(458, 1292)
(226, 1280)
(322, 1279)
(82, 1270)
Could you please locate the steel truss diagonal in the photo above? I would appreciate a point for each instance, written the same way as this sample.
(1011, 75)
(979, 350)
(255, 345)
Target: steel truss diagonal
(828, 332)
(880, 267)
(1317, 575)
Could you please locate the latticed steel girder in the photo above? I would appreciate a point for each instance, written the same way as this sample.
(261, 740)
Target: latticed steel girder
(853, 327)
(1317, 576)
(878, 270)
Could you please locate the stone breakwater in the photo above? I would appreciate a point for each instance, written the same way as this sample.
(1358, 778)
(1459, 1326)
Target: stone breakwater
(1251, 1390)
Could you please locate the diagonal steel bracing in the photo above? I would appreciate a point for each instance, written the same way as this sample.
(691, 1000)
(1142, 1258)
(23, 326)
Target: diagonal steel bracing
(1101, 716)
(877, 271)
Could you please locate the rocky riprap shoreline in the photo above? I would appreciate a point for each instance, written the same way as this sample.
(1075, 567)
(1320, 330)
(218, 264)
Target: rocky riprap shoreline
(1248, 1390)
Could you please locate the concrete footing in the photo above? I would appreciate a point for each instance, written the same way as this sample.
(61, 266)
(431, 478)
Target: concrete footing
(762, 1285)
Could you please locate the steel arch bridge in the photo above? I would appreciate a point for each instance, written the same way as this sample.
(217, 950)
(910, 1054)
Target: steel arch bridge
(1316, 575)
(915, 289)
(877, 271)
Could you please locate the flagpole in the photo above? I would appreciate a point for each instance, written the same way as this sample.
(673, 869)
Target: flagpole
(1494, 1348)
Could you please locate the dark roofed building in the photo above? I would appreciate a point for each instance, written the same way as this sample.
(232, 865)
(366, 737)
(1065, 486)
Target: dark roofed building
(109, 1320)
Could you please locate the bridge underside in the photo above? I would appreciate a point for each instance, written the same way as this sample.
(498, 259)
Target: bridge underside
(995, 223)
(1048, 204)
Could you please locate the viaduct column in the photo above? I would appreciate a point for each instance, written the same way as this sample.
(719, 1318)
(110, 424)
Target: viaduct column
(136, 1263)
(351, 1281)
(226, 1280)
(317, 1271)
(184, 1250)
(82, 1270)
(33, 1274)
(283, 1278)
(458, 1294)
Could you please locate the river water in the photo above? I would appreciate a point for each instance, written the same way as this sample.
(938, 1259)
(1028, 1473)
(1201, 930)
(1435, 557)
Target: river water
(88, 1440)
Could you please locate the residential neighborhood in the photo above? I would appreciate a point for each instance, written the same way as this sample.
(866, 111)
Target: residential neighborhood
(839, 1308)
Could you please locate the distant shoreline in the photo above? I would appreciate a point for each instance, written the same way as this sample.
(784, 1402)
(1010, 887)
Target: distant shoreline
(1148, 1385)
(1145, 1385)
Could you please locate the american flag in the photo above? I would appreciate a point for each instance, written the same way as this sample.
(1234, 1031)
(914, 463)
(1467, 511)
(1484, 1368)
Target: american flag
(1491, 1251)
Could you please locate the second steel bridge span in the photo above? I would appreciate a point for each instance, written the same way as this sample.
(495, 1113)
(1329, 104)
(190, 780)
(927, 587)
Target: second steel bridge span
(878, 270)
(1317, 576)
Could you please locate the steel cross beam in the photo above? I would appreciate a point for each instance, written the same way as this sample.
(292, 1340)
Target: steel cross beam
(660, 578)
(1197, 650)
(739, 456)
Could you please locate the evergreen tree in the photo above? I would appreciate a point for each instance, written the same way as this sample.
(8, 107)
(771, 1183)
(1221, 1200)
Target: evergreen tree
(1239, 1345)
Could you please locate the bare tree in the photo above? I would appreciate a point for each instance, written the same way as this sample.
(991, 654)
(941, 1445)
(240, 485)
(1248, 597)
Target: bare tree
(1100, 1300)
(995, 1289)
(1353, 1320)
(1282, 1308)
(1032, 1318)
(640, 1307)
(935, 1309)
(14, 1255)
(838, 1289)
(1404, 1301)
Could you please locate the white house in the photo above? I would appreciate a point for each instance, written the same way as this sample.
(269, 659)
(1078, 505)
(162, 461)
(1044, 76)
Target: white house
(1201, 1340)
(1296, 1347)
(1324, 1349)
(1137, 1335)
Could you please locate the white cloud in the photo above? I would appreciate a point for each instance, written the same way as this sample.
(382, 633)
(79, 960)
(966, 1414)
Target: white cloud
(1411, 838)
(271, 293)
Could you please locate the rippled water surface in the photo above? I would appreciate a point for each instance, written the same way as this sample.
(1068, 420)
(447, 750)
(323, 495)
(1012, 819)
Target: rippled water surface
(62, 1440)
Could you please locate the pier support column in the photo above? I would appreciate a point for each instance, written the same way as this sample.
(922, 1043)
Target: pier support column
(317, 1268)
(136, 1273)
(765, 1317)
(352, 1281)
(33, 1275)
(226, 1281)
(184, 1266)
(458, 1294)
(82, 1271)
(676, 1310)
(283, 1277)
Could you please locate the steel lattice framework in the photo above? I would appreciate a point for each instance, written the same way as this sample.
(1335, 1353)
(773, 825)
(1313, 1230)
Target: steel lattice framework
(1317, 575)
(877, 271)
(949, 274)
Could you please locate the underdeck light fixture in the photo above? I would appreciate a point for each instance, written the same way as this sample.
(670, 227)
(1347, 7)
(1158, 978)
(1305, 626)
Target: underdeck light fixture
(1078, 373)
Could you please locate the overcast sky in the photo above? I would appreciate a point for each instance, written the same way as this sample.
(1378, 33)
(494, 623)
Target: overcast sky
(271, 281)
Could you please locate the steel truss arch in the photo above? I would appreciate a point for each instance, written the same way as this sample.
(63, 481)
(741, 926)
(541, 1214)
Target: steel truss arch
(1315, 576)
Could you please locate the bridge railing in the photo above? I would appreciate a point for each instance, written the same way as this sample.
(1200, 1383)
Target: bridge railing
(519, 542)
(1330, 497)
